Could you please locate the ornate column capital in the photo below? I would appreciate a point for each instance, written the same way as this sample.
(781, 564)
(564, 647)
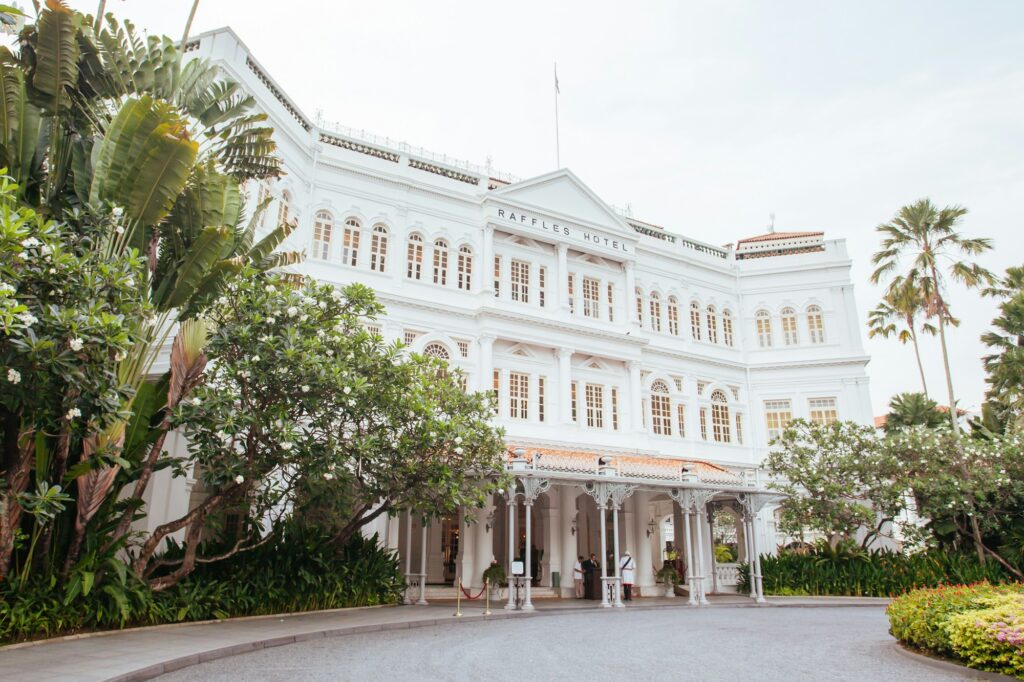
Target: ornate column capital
(533, 487)
(564, 352)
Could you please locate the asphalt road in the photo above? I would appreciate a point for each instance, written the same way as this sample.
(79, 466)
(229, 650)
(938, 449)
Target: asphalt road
(821, 643)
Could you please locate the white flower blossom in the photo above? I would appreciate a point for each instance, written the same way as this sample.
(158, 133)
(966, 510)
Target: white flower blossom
(118, 356)
(330, 353)
(350, 356)
(346, 390)
(351, 402)
(458, 440)
(76, 344)
(328, 476)
(45, 250)
(239, 479)
(118, 211)
(28, 319)
(305, 388)
(270, 288)
(292, 311)
(6, 288)
(14, 376)
(72, 413)
(31, 242)
(271, 320)
(286, 446)
(197, 400)
(336, 295)
(255, 358)
(222, 300)
(119, 229)
(458, 451)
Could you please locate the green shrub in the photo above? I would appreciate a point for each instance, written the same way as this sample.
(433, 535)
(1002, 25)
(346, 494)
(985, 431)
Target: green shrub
(850, 571)
(296, 571)
(991, 638)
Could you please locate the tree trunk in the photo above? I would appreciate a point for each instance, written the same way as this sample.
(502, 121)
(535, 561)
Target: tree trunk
(16, 473)
(945, 355)
(141, 484)
(917, 356)
(979, 545)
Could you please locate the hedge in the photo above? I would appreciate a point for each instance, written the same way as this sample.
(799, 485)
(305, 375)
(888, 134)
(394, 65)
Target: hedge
(980, 625)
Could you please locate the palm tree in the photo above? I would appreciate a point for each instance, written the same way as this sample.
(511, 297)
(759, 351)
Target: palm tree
(897, 315)
(1005, 366)
(928, 237)
(912, 409)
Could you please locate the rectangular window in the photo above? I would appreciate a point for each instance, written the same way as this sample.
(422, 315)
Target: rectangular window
(540, 398)
(571, 290)
(520, 281)
(681, 420)
(497, 276)
(739, 428)
(350, 246)
(823, 411)
(777, 415)
(410, 336)
(595, 406)
(591, 297)
(615, 408)
(542, 285)
(703, 423)
(572, 400)
(661, 414)
(496, 390)
(518, 395)
(611, 302)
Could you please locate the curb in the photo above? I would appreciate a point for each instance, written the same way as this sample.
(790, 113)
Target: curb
(949, 666)
(173, 664)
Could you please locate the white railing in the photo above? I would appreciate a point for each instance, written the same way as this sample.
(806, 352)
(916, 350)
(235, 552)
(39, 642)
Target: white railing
(727, 575)
(419, 152)
(668, 470)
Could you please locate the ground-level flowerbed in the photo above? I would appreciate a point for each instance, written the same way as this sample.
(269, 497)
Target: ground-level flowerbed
(980, 625)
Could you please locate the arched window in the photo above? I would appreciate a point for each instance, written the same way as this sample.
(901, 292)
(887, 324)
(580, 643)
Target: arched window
(789, 334)
(414, 265)
(323, 228)
(640, 306)
(815, 324)
(712, 324)
(465, 268)
(441, 262)
(727, 327)
(720, 416)
(437, 350)
(284, 208)
(350, 243)
(379, 248)
(673, 316)
(763, 322)
(655, 311)
(661, 409)
(695, 320)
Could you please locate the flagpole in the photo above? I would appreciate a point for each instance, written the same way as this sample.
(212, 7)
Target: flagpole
(558, 151)
(188, 24)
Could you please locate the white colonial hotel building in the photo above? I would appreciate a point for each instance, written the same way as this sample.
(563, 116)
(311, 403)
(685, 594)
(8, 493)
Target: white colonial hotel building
(637, 370)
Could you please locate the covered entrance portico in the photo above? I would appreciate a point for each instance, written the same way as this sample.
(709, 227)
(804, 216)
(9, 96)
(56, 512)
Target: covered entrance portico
(566, 504)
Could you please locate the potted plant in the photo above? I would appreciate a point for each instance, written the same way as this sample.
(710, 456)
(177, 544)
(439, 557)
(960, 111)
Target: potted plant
(494, 576)
(670, 577)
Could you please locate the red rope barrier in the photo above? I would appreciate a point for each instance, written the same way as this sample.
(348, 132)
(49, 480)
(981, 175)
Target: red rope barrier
(472, 598)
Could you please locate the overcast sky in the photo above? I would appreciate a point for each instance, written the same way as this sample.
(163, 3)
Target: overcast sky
(703, 117)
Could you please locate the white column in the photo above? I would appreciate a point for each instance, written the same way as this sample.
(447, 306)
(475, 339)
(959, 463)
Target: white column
(644, 564)
(701, 563)
(630, 292)
(486, 270)
(483, 543)
(615, 552)
(511, 604)
(577, 293)
(567, 504)
(561, 289)
(635, 396)
(503, 403)
(528, 556)
(423, 564)
(756, 566)
(552, 517)
(467, 553)
(408, 553)
(485, 363)
(714, 559)
(601, 509)
(691, 574)
(748, 547)
(565, 385)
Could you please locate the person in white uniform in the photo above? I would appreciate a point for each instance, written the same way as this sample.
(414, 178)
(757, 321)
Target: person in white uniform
(627, 568)
(577, 576)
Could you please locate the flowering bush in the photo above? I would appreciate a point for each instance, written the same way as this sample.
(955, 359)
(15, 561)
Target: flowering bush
(991, 638)
(979, 624)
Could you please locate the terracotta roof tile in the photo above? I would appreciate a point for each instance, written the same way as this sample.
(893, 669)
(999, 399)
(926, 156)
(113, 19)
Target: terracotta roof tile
(772, 236)
(582, 461)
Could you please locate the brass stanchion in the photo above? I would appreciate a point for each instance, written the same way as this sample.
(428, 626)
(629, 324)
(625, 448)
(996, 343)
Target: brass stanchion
(487, 601)
(458, 601)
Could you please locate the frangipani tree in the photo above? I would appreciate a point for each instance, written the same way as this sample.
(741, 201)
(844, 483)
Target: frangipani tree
(303, 409)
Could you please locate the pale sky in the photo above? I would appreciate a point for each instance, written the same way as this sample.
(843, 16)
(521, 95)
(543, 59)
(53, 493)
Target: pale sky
(703, 117)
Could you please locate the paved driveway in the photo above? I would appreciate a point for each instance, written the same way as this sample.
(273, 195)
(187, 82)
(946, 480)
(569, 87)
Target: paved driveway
(821, 643)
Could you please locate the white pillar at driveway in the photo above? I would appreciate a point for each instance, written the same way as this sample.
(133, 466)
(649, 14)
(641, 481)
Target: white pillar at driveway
(642, 546)
(512, 508)
(483, 543)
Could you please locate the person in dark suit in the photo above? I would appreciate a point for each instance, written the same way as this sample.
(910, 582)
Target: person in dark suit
(590, 568)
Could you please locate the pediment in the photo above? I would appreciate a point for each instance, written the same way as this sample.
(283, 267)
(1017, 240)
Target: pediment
(562, 193)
